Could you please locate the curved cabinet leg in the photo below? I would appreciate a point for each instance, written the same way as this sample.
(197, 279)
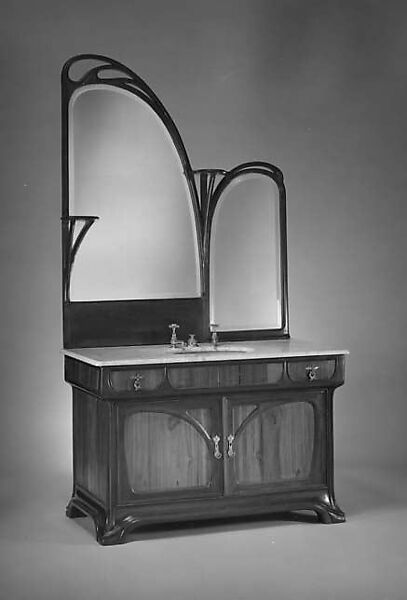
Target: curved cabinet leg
(110, 537)
(117, 534)
(79, 507)
(329, 512)
(106, 534)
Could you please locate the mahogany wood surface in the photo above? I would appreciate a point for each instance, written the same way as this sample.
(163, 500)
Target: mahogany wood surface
(149, 456)
(91, 444)
(166, 450)
(274, 443)
(129, 380)
(261, 373)
(298, 371)
(119, 381)
(130, 322)
(194, 377)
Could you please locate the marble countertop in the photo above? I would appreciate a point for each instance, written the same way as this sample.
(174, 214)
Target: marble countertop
(144, 355)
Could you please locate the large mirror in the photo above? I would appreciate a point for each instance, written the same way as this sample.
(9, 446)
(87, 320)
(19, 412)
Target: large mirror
(125, 169)
(246, 283)
(147, 240)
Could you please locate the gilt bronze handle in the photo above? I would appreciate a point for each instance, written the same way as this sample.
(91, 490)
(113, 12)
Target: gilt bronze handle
(217, 454)
(230, 439)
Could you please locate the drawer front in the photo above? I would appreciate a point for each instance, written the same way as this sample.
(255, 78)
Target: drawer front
(210, 376)
(261, 373)
(193, 377)
(134, 380)
(311, 370)
(215, 376)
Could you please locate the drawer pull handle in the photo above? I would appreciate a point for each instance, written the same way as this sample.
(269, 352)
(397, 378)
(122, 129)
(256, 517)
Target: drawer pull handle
(311, 372)
(137, 385)
(230, 439)
(217, 454)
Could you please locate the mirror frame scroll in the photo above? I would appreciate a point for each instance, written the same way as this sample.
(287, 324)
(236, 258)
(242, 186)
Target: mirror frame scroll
(269, 170)
(127, 322)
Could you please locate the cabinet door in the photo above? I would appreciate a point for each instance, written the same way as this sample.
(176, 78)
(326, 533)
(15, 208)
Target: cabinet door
(274, 441)
(169, 449)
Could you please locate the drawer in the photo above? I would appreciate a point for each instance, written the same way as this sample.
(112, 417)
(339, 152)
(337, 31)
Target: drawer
(214, 376)
(260, 373)
(193, 377)
(203, 376)
(311, 370)
(134, 380)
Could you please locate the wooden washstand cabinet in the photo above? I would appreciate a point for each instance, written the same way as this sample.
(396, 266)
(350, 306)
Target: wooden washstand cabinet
(190, 400)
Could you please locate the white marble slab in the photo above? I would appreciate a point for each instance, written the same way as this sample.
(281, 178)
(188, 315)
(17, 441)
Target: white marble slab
(145, 355)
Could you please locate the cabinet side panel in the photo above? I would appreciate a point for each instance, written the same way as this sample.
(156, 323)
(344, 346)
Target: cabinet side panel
(91, 443)
(82, 374)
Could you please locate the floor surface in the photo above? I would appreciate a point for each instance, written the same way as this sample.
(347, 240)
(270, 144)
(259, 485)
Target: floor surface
(47, 556)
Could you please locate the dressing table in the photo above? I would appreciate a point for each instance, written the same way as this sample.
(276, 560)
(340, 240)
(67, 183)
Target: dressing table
(190, 400)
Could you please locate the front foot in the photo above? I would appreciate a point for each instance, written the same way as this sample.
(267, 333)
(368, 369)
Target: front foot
(107, 533)
(110, 537)
(330, 513)
(117, 534)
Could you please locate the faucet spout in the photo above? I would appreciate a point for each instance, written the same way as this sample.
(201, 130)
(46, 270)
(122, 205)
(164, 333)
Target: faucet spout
(192, 343)
(174, 340)
(214, 335)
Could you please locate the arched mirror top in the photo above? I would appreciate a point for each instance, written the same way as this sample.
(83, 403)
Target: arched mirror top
(97, 70)
(125, 164)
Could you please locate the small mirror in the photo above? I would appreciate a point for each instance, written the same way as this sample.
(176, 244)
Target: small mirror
(245, 256)
(125, 169)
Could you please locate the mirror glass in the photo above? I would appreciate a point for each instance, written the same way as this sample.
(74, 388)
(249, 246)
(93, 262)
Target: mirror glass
(245, 263)
(125, 169)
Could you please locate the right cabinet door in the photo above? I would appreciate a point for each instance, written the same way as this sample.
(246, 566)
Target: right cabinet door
(274, 441)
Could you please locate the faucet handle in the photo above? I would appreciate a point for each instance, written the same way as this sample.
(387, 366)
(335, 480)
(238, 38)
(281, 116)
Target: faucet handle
(173, 341)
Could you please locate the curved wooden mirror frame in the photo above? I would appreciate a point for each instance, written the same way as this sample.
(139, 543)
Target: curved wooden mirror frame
(134, 322)
(270, 171)
(117, 321)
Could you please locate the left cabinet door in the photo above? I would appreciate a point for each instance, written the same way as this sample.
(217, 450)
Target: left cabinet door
(169, 449)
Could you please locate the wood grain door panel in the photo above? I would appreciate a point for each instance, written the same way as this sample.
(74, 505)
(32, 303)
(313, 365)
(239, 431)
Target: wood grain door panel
(273, 441)
(168, 449)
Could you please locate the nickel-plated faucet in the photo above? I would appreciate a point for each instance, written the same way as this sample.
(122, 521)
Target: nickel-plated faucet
(214, 336)
(192, 343)
(174, 340)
